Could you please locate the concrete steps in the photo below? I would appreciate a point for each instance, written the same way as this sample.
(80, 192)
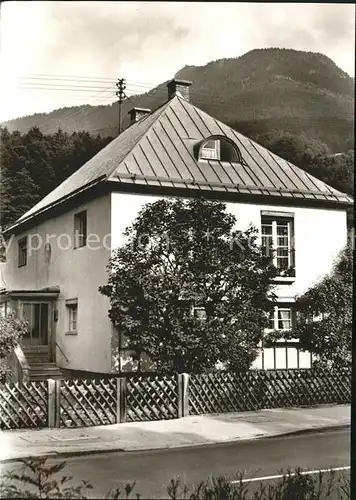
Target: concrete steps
(37, 357)
(43, 371)
(41, 366)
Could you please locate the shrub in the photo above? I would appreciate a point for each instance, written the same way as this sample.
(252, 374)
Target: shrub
(294, 485)
(11, 329)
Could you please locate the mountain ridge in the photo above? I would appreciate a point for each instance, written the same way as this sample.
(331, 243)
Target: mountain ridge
(262, 90)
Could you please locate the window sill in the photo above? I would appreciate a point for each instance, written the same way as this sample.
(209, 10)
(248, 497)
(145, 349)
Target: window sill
(284, 279)
(286, 343)
(71, 333)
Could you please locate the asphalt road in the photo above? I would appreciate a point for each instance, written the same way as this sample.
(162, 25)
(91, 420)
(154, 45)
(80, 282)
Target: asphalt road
(152, 470)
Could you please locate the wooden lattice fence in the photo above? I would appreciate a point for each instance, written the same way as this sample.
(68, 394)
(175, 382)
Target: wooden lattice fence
(102, 401)
(88, 402)
(24, 406)
(257, 389)
(151, 398)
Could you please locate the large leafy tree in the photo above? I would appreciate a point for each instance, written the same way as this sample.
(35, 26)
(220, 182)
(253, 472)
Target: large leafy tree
(180, 256)
(324, 325)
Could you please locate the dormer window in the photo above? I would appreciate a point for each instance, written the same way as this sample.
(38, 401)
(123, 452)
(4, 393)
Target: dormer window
(211, 150)
(220, 149)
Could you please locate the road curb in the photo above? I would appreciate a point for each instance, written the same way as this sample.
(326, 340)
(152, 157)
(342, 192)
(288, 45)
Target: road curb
(78, 453)
(312, 430)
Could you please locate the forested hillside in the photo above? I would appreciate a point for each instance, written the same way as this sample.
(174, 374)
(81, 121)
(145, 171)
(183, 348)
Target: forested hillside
(32, 164)
(300, 105)
(264, 90)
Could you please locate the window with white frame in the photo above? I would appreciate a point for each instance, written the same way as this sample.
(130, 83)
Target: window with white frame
(282, 353)
(211, 150)
(3, 309)
(219, 148)
(72, 315)
(277, 241)
(22, 252)
(199, 313)
(281, 318)
(131, 360)
(80, 229)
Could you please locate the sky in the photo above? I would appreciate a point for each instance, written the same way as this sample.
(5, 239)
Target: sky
(62, 54)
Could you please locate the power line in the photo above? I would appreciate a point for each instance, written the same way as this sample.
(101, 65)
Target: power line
(139, 85)
(104, 91)
(73, 113)
(70, 113)
(59, 80)
(133, 91)
(52, 86)
(40, 76)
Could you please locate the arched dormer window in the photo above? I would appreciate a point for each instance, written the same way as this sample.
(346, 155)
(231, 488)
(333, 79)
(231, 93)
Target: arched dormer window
(219, 148)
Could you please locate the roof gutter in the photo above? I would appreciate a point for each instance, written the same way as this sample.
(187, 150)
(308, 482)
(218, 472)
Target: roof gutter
(225, 196)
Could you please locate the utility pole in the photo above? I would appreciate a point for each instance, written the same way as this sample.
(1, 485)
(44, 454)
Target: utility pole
(120, 84)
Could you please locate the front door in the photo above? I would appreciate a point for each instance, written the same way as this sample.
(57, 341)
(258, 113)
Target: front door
(38, 337)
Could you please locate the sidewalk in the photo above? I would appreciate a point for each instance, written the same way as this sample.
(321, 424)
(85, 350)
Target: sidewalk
(187, 431)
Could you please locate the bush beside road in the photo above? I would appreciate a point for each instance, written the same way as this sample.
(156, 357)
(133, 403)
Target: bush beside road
(38, 481)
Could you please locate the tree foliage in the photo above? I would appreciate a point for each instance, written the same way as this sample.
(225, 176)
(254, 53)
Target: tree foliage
(33, 164)
(11, 330)
(185, 254)
(311, 155)
(314, 157)
(324, 325)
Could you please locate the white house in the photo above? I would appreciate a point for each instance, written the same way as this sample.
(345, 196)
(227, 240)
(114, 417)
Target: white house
(52, 275)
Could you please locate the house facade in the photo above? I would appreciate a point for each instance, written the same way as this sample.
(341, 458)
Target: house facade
(58, 251)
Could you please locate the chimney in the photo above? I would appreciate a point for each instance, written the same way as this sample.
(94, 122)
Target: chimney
(137, 113)
(180, 87)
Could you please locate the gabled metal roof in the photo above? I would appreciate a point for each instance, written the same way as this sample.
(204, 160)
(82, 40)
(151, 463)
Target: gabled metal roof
(159, 150)
(101, 165)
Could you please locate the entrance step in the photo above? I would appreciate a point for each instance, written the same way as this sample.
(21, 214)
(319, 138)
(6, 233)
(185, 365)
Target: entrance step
(33, 356)
(43, 371)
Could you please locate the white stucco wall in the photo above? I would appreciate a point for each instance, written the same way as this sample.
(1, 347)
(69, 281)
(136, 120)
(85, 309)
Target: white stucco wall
(320, 234)
(78, 272)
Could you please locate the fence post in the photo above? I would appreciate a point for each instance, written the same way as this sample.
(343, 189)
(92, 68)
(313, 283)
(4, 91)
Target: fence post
(54, 391)
(57, 421)
(54, 394)
(183, 395)
(121, 399)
